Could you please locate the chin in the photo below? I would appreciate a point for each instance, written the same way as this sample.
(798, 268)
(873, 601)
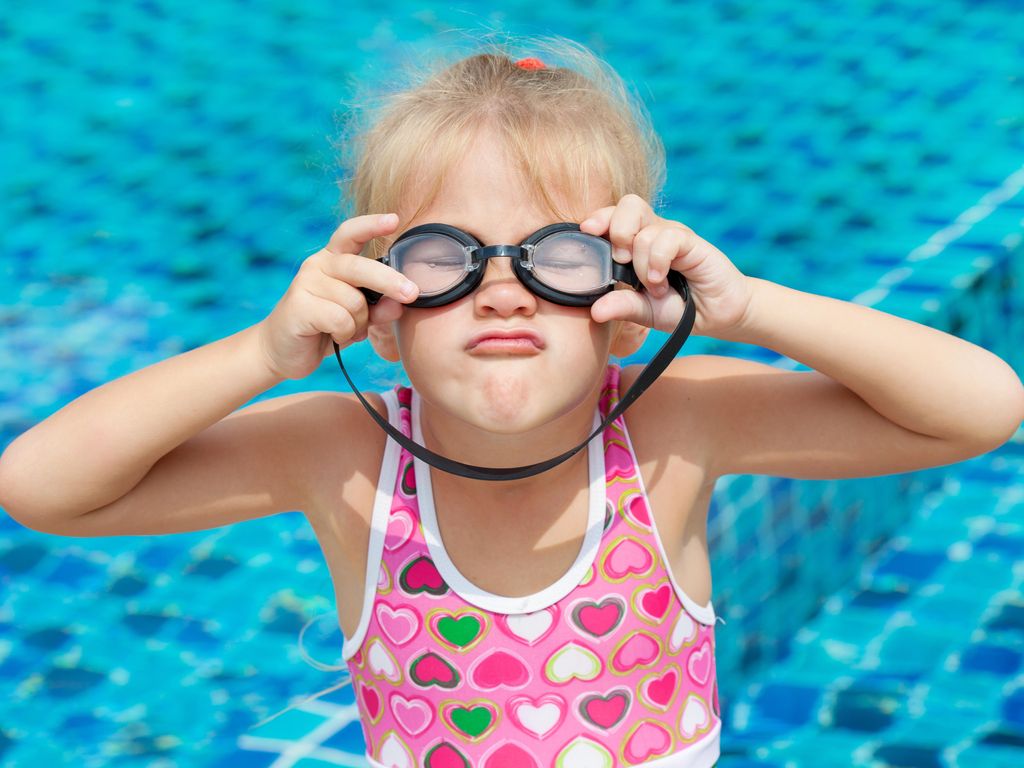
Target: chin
(509, 404)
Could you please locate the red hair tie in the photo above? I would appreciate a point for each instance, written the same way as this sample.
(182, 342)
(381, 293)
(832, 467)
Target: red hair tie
(530, 63)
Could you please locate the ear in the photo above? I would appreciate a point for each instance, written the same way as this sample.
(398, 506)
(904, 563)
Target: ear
(382, 337)
(628, 338)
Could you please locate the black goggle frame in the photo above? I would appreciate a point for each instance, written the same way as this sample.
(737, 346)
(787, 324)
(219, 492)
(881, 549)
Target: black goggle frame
(522, 265)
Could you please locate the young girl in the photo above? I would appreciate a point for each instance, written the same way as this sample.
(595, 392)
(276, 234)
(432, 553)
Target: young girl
(547, 618)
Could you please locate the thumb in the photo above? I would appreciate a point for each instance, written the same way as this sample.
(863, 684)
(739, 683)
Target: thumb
(385, 311)
(622, 305)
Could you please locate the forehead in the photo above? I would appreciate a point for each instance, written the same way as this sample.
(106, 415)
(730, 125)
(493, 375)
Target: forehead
(489, 194)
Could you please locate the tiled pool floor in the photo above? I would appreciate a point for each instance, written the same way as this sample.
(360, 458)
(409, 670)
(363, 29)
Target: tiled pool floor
(918, 663)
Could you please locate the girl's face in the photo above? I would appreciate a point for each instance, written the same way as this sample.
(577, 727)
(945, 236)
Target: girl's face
(480, 404)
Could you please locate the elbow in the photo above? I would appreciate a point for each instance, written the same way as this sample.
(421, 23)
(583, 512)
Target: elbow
(1007, 415)
(991, 417)
(17, 505)
(1015, 410)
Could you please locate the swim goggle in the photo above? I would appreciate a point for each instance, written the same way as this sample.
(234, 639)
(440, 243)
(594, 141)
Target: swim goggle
(559, 263)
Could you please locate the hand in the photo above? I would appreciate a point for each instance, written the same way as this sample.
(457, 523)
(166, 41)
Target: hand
(720, 292)
(324, 302)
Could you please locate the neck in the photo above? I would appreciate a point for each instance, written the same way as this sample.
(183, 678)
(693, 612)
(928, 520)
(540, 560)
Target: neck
(474, 446)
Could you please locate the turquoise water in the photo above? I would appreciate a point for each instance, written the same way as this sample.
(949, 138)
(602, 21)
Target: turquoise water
(167, 168)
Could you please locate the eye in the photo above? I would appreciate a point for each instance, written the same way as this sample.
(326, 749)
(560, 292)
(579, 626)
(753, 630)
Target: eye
(442, 262)
(433, 261)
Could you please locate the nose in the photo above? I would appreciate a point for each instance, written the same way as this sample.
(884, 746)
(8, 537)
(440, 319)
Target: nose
(500, 290)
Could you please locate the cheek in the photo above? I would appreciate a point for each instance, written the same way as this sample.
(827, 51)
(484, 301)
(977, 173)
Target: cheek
(418, 332)
(601, 336)
(581, 348)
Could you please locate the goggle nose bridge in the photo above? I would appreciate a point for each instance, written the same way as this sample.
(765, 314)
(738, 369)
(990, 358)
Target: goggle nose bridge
(480, 255)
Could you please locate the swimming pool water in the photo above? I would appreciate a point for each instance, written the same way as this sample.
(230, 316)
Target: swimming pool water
(168, 167)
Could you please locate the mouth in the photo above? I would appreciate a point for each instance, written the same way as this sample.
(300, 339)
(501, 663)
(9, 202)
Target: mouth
(521, 341)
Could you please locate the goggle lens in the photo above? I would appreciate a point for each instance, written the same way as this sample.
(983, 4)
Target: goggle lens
(573, 262)
(435, 262)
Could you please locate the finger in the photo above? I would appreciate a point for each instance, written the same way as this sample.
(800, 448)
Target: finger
(662, 252)
(352, 234)
(334, 320)
(622, 305)
(386, 311)
(369, 273)
(630, 216)
(641, 251)
(341, 293)
(596, 222)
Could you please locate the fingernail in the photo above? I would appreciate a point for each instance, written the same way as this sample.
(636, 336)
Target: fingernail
(387, 219)
(408, 289)
(621, 255)
(654, 275)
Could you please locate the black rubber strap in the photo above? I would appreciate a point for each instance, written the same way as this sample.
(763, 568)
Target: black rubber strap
(647, 377)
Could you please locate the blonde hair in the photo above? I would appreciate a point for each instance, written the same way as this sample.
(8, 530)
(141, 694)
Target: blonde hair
(567, 126)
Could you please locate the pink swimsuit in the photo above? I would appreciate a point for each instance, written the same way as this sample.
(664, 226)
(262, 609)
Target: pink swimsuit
(612, 665)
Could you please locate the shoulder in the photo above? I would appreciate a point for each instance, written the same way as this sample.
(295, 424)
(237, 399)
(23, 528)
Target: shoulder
(670, 416)
(345, 450)
(329, 415)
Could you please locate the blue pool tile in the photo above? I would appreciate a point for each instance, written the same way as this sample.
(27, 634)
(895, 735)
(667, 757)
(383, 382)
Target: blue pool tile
(910, 756)
(1005, 735)
(991, 658)
(22, 558)
(74, 572)
(914, 565)
(195, 633)
(883, 600)
(68, 682)
(128, 585)
(916, 648)
(344, 738)
(1008, 616)
(290, 725)
(867, 711)
(1013, 709)
(1010, 547)
(247, 759)
(791, 704)
(144, 624)
(48, 638)
(158, 557)
(990, 757)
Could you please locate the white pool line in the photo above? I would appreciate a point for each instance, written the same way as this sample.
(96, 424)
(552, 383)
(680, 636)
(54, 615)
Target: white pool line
(936, 244)
(311, 744)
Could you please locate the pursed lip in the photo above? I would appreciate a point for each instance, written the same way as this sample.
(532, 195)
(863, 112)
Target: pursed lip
(507, 333)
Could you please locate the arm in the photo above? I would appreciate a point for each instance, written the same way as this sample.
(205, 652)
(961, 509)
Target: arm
(918, 377)
(97, 448)
(886, 395)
